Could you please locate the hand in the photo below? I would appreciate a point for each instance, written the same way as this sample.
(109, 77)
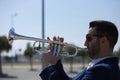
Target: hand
(61, 39)
(48, 58)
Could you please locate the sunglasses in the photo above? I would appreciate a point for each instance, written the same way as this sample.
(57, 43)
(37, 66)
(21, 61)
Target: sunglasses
(90, 38)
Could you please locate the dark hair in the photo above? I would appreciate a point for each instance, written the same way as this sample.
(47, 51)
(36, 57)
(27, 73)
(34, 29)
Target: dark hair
(106, 28)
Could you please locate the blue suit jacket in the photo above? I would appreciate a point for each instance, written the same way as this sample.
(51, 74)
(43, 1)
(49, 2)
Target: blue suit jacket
(107, 69)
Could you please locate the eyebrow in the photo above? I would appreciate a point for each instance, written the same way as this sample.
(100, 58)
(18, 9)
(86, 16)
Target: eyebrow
(89, 34)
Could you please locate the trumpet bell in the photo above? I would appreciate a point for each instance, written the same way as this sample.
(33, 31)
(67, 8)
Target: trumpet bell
(11, 35)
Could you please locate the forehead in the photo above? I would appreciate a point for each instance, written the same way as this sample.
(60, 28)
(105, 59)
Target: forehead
(91, 30)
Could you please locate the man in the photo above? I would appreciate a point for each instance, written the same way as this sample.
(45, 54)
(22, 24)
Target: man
(100, 41)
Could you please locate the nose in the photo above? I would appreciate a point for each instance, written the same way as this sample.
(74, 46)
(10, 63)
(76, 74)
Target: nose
(86, 43)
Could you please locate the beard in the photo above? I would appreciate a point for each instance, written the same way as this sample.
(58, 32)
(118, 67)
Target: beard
(94, 50)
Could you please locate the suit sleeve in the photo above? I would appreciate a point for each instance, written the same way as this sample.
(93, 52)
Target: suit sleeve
(54, 72)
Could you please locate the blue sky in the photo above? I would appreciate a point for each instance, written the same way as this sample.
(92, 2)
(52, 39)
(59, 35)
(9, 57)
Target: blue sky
(67, 18)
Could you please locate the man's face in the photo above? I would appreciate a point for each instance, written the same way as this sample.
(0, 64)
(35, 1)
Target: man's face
(92, 43)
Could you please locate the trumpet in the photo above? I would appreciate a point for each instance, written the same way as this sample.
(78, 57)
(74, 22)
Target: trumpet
(57, 44)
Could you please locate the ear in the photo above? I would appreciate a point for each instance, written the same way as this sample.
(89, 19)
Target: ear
(104, 40)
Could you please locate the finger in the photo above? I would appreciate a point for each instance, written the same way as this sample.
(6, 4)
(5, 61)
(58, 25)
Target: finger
(61, 39)
(57, 38)
(54, 38)
(50, 44)
(48, 38)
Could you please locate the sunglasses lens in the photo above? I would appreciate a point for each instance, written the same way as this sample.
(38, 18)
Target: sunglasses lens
(88, 38)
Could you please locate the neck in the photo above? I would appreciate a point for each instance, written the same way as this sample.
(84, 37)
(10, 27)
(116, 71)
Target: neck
(104, 53)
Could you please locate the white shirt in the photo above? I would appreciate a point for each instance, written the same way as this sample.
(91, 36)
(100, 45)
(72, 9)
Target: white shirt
(93, 62)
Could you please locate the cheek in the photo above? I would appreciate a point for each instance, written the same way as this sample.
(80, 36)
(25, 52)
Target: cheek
(94, 46)
(90, 44)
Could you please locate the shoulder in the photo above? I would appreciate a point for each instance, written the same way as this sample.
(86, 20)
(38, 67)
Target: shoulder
(107, 64)
(105, 71)
(100, 67)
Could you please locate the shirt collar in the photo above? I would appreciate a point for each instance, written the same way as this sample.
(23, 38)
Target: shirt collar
(93, 62)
